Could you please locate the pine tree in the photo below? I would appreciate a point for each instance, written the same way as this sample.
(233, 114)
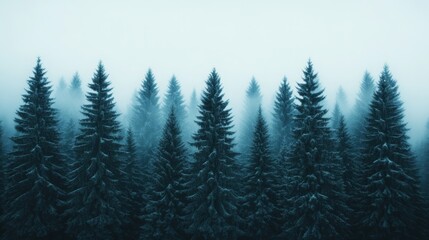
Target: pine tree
(76, 97)
(174, 98)
(68, 140)
(132, 182)
(146, 119)
(212, 211)
(391, 197)
(252, 102)
(336, 117)
(165, 211)
(314, 190)
(261, 186)
(192, 114)
(350, 172)
(96, 211)
(341, 101)
(361, 109)
(36, 169)
(282, 118)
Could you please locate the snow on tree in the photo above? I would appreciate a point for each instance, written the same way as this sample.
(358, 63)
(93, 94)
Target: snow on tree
(133, 188)
(361, 108)
(95, 208)
(174, 98)
(316, 205)
(282, 118)
(350, 170)
(213, 199)
(164, 215)
(146, 120)
(35, 173)
(392, 202)
(261, 186)
(251, 104)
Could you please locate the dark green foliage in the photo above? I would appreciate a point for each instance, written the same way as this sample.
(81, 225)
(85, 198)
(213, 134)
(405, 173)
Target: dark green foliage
(390, 195)
(35, 173)
(251, 104)
(95, 207)
(261, 187)
(146, 120)
(350, 171)
(314, 186)
(133, 187)
(212, 188)
(165, 210)
(282, 119)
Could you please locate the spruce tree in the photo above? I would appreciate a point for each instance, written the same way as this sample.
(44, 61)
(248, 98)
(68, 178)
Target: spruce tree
(132, 182)
(282, 118)
(341, 100)
(390, 195)
(314, 187)
(146, 120)
(36, 169)
(174, 98)
(350, 172)
(95, 207)
(213, 195)
(261, 186)
(165, 211)
(361, 109)
(251, 104)
(76, 97)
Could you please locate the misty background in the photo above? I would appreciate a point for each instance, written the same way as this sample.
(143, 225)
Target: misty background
(241, 39)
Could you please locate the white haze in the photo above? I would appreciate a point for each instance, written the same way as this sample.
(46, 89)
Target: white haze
(241, 39)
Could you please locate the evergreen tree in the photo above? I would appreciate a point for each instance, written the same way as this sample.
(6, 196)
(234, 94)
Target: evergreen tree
(424, 163)
(315, 189)
(146, 120)
(132, 182)
(212, 211)
(174, 98)
(68, 140)
(165, 211)
(336, 117)
(192, 114)
(252, 102)
(261, 186)
(76, 97)
(36, 169)
(391, 196)
(350, 172)
(95, 208)
(282, 118)
(341, 100)
(361, 109)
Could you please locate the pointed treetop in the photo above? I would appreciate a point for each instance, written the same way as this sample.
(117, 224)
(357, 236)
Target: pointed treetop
(76, 82)
(254, 89)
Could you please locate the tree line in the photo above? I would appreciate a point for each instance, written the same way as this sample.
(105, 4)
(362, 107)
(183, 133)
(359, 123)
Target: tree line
(179, 172)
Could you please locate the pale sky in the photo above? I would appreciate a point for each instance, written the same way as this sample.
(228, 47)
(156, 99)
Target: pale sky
(241, 39)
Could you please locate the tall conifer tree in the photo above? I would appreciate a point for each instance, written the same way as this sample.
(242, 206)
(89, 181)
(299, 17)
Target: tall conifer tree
(392, 202)
(35, 188)
(315, 189)
(212, 211)
(95, 208)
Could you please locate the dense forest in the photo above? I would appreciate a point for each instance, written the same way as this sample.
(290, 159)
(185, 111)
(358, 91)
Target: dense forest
(184, 170)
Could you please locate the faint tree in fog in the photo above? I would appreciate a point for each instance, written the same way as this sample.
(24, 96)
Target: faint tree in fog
(282, 119)
(146, 120)
(251, 105)
(35, 187)
(192, 114)
(174, 98)
(95, 208)
(361, 109)
(391, 199)
(212, 212)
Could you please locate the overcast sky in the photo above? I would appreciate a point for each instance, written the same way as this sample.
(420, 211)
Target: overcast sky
(241, 39)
